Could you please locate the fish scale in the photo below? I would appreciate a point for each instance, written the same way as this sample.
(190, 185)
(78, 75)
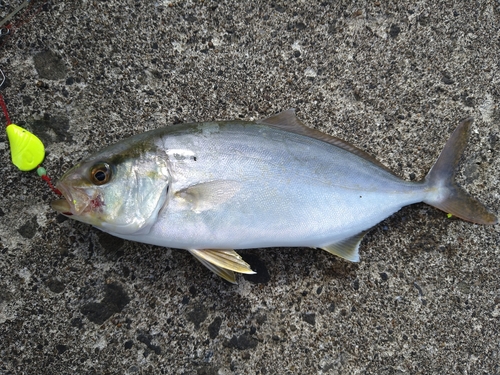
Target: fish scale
(213, 187)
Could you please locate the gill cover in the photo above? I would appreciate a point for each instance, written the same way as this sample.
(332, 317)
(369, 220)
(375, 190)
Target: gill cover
(140, 193)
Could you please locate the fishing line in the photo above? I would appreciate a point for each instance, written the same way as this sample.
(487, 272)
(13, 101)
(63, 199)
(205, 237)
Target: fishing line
(26, 149)
(8, 28)
(14, 12)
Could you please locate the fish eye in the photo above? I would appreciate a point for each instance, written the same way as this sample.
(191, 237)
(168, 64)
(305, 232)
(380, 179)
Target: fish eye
(100, 174)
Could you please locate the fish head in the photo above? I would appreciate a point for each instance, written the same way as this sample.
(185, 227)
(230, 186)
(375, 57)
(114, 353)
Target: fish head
(119, 190)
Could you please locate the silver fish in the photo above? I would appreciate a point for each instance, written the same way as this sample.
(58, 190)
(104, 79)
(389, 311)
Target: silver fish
(213, 187)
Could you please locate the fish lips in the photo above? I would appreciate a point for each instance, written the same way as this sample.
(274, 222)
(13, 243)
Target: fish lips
(73, 203)
(62, 206)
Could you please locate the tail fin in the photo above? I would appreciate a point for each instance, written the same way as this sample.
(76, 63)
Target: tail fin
(448, 196)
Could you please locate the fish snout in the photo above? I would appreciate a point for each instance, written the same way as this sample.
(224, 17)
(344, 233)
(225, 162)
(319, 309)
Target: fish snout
(62, 206)
(75, 201)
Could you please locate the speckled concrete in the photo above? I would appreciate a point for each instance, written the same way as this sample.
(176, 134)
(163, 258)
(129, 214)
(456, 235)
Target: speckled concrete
(393, 79)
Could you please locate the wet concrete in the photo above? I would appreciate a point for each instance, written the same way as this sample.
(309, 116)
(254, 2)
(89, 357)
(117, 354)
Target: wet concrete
(392, 79)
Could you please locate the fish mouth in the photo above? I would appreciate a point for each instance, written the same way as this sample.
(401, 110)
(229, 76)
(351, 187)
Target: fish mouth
(62, 206)
(74, 202)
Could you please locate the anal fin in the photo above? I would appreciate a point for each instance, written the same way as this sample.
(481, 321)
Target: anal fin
(347, 248)
(222, 262)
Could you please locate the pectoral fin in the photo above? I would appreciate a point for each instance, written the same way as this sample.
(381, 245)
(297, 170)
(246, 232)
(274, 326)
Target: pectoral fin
(346, 248)
(208, 195)
(222, 262)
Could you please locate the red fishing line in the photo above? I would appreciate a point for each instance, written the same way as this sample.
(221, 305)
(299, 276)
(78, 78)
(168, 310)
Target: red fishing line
(40, 170)
(43, 174)
(4, 108)
(25, 18)
(10, 28)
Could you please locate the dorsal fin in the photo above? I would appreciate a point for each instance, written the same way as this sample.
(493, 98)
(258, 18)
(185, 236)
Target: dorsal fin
(287, 120)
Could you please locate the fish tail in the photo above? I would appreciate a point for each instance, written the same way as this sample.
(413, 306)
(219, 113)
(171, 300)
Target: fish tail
(445, 193)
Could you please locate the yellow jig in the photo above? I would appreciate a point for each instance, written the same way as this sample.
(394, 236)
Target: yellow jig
(26, 149)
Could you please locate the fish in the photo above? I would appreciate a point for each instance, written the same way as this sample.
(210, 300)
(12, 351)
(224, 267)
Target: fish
(215, 187)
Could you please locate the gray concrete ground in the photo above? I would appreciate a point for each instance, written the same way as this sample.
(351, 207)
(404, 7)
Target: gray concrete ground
(394, 78)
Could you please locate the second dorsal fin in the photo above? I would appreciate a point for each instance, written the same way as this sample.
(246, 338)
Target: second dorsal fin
(287, 120)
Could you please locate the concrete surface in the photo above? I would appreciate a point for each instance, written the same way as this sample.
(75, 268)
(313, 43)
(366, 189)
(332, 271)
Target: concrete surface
(394, 78)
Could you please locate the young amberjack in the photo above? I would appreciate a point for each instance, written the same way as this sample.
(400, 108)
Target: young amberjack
(213, 187)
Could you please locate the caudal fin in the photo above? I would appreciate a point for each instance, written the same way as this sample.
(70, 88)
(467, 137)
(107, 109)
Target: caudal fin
(448, 196)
